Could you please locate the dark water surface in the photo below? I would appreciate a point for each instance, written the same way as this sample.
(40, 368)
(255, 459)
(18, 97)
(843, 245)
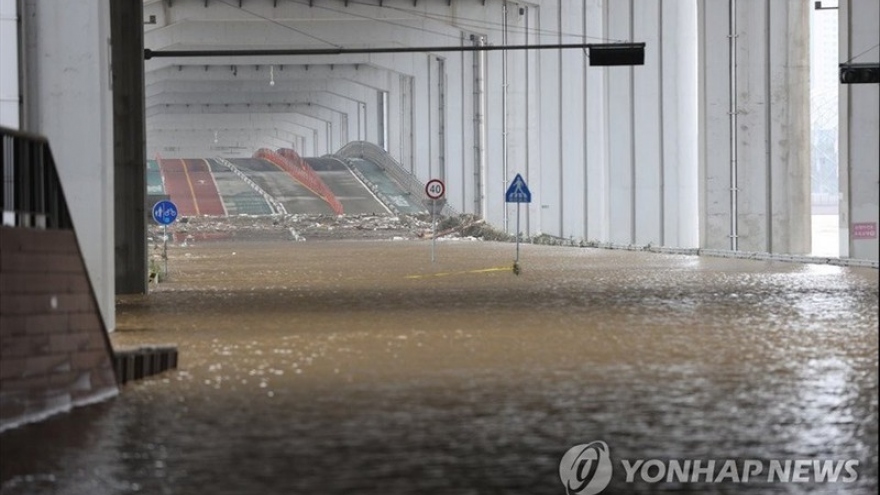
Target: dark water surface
(361, 367)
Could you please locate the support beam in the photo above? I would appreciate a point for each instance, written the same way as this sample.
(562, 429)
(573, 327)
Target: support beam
(68, 98)
(129, 142)
(151, 54)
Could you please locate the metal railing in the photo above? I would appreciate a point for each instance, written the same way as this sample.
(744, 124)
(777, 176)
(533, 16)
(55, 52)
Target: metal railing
(409, 182)
(31, 195)
(291, 163)
(276, 206)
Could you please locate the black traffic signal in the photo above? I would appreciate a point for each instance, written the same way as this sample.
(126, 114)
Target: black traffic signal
(860, 73)
(617, 54)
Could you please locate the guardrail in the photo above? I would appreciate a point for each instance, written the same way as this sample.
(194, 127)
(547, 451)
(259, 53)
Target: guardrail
(302, 172)
(383, 198)
(31, 195)
(409, 182)
(275, 205)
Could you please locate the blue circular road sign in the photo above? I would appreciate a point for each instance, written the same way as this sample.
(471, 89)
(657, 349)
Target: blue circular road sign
(164, 212)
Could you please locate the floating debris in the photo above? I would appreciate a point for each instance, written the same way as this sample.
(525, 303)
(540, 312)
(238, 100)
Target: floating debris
(303, 227)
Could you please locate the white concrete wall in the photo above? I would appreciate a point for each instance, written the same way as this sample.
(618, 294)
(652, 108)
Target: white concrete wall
(192, 135)
(680, 124)
(593, 143)
(9, 65)
(621, 154)
(859, 131)
(771, 134)
(68, 99)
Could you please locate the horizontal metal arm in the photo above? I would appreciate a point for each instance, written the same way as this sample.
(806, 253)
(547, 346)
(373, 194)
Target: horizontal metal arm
(150, 54)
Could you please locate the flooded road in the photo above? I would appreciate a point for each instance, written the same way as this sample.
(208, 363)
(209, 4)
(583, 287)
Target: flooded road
(361, 367)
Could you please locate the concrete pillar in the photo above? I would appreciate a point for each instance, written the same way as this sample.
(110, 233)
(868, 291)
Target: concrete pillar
(68, 99)
(755, 167)
(610, 154)
(521, 24)
(546, 182)
(596, 136)
(621, 121)
(859, 134)
(129, 142)
(790, 224)
(648, 133)
(9, 94)
(679, 124)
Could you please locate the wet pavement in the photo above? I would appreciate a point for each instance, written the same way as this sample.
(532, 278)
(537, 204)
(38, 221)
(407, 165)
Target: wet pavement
(361, 367)
(354, 195)
(281, 186)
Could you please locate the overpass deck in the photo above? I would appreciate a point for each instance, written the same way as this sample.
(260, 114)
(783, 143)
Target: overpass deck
(355, 197)
(201, 186)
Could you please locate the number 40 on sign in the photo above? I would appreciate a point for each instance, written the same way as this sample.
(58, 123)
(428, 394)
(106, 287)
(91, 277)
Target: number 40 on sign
(435, 188)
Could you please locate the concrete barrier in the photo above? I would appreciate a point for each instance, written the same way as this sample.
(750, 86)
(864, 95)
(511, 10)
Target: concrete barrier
(142, 362)
(54, 350)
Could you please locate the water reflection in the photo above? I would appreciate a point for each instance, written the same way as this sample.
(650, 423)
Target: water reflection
(330, 368)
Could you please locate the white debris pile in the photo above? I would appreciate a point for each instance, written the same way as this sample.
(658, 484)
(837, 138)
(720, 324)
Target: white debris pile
(291, 227)
(365, 226)
(470, 227)
(306, 227)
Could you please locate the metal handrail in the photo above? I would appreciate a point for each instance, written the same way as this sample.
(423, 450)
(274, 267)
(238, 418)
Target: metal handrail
(303, 174)
(276, 206)
(32, 195)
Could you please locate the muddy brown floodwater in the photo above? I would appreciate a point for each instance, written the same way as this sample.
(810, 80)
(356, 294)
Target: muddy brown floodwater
(343, 367)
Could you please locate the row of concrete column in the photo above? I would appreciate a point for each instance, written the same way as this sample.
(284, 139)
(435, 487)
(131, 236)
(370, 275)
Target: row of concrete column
(706, 145)
(676, 152)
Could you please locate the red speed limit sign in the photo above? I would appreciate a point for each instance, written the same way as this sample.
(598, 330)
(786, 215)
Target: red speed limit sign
(435, 188)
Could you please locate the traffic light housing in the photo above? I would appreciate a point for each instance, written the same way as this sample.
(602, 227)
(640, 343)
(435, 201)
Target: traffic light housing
(617, 54)
(864, 73)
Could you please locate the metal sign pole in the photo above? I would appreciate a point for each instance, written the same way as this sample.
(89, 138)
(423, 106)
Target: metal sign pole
(164, 212)
(517, 232)
(435, 189)
(433, 227)
(518, 192)
(165, 249)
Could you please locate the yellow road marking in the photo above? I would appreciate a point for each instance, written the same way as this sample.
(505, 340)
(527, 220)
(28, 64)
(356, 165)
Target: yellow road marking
(191, 190)
(465, 272)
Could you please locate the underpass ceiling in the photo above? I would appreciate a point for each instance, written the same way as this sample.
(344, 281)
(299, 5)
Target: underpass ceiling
(238, 84)
(241, 71)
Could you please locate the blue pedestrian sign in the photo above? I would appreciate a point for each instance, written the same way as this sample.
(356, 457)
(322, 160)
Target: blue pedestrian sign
(518, 192)
(164, 212)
